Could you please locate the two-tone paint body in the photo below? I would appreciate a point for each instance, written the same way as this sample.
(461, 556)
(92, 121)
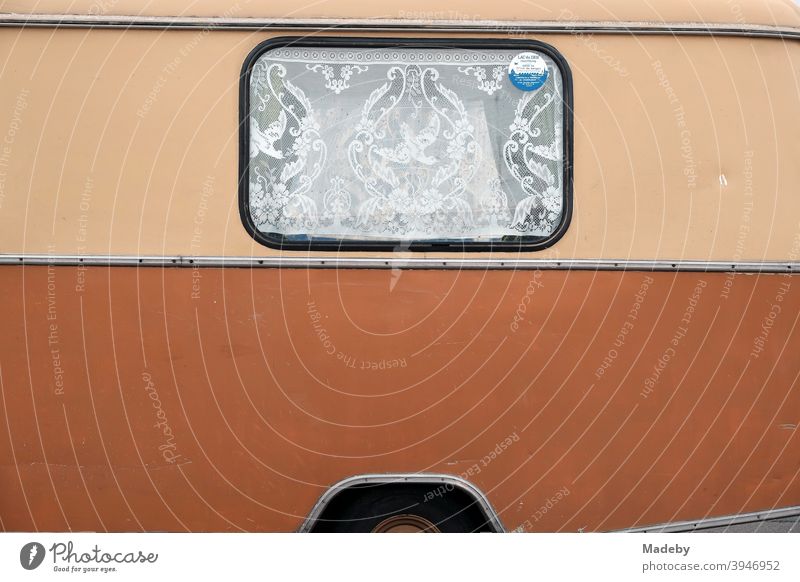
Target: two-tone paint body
(162, 371)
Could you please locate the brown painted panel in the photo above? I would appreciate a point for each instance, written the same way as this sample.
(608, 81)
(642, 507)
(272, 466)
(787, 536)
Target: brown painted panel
(179, 399)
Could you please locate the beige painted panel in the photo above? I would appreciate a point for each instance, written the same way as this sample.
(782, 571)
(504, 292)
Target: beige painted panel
(784, 12)
(125, 142)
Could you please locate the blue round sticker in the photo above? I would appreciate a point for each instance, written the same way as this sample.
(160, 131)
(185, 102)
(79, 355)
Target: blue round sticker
(528, 71)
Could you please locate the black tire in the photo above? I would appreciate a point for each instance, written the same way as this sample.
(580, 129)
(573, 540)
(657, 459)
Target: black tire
(362, 509)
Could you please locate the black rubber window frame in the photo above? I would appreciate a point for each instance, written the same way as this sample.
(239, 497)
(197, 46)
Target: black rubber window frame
(508, 244)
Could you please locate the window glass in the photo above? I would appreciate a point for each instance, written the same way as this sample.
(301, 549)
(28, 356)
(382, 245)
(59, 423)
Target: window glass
(405, 144)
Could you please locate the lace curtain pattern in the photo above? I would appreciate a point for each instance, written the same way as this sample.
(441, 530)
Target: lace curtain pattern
(402, 144)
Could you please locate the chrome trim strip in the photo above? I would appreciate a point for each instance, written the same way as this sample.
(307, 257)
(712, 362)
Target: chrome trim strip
(385, 24)
(432, 478)
(301, 261)
(709, 522)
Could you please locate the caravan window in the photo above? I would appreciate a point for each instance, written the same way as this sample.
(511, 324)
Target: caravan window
(364, 144)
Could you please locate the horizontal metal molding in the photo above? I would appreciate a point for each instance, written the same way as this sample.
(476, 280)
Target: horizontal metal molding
(496, 26)
(711, 522)
(321, 262)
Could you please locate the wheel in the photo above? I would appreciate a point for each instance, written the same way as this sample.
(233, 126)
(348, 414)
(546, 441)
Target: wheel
(405, 523)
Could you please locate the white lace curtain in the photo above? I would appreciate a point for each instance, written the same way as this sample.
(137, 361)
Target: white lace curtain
(403, 144)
